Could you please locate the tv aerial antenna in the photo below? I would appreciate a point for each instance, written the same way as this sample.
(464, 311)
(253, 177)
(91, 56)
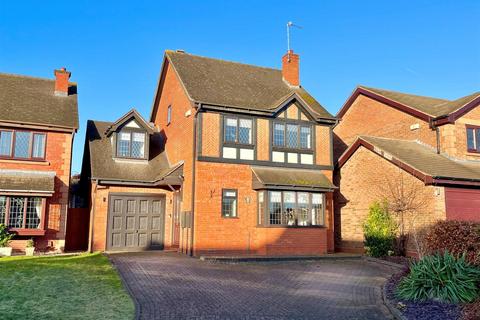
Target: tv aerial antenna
(290, 24)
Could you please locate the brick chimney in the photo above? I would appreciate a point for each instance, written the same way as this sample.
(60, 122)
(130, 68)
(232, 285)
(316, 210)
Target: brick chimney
(61, 81)
(290, 68)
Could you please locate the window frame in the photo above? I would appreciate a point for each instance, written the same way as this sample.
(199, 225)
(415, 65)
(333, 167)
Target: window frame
(299, 125)
(224, 191)
(236, 143)
(31, 135)
(169, 114)
(131, 131)
(265, 209)
(475, 140)
(23, 230)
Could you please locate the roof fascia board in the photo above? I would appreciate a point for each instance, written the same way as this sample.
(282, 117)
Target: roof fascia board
(132, 114)
(453, 116)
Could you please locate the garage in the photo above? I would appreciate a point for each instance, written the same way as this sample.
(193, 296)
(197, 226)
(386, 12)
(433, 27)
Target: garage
(135, 222)
(462, 204)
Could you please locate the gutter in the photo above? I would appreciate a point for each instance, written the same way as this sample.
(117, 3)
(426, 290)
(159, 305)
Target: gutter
(194, 158)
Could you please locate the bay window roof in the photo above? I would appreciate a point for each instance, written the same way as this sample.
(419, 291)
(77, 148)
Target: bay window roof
(290, 179)
(26, 181)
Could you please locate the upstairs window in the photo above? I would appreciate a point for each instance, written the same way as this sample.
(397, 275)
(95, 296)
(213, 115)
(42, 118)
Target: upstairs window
(169, 115)
(238, 138)
(473, 139)
(131, 144)
(238, 130)
(18, 144)
(292, 136)
(292, 143)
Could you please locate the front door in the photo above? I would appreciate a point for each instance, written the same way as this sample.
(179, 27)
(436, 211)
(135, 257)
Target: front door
(135, 222)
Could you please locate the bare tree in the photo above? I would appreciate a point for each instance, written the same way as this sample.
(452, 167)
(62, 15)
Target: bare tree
(407, 201)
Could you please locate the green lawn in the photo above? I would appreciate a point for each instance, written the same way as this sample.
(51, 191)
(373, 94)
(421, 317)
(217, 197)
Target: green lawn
(69, 287)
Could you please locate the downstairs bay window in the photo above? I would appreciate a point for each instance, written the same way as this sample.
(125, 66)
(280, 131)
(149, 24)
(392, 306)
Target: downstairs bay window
(291, 209)
(23, 214)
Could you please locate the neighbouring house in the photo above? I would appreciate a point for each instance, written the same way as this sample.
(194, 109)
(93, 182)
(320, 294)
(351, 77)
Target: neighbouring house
(38, 120)
(430, 145)
(244, 164)
(129, 183)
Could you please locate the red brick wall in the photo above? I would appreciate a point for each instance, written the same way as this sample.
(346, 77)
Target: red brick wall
(57, 159)
(363, 181)
(210, 134)
(100, 198)
(367, 116)
(217, 235)
(179, 133)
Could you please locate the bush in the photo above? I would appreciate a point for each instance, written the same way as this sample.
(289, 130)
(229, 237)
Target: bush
(379, 230)
(471, 311)
(5, 237)
(457, 237)
(441, 277)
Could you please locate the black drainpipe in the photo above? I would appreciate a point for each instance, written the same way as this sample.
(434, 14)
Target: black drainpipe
(194, 158)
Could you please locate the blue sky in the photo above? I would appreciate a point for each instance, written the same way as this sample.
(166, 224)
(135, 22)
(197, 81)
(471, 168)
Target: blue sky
(114, 49)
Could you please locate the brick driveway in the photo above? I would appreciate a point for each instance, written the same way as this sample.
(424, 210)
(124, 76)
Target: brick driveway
(172, 286)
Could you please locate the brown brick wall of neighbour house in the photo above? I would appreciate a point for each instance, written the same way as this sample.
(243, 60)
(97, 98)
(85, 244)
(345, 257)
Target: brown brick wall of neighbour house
(454, 136)
(100, 196)
(217, 235)
(210, 134)
(178, 134)
(263, 140)
(362, 182)
(57, 159)
(367, 116)
(323, 145)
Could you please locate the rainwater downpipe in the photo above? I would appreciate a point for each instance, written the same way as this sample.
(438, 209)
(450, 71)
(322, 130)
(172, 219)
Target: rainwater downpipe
(194, 158)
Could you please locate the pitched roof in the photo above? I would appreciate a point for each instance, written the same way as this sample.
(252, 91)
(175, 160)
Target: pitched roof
(103, 166)
(420, 106)
(237, 85)
(31, 100)
(287, 178)
(418, 156)
(26, 181)
(130, 115)
(432, 106)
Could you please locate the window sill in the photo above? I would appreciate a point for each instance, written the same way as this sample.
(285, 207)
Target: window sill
(224, 217)
(28, 232)
(26, 161)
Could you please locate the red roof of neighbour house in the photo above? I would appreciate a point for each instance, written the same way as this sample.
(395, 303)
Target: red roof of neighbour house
(427, 108)
(419, 160)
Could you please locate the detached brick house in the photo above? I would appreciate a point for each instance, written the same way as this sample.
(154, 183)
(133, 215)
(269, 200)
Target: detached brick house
(245, 163)
(38, 120)
(436, 142)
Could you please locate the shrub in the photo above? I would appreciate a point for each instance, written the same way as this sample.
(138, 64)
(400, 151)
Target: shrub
(457, 237)
(379, 230)
(471, 311)
(5, 237)
(442, 277)
(30, 243)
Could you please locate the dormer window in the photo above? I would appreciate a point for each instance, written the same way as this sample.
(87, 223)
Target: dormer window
(131, 144)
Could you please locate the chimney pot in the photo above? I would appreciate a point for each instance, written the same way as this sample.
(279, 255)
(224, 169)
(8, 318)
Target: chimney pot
(61, 81)
(291, 68)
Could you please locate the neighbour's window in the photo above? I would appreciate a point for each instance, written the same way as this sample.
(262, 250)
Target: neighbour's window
(473, 139)
(21, 212)
(290, 208)
(169, 114)
(229, 203)
(22, 144)
(131, 144)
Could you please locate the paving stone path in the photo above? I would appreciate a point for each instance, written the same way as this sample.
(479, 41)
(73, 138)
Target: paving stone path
(172, 286)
